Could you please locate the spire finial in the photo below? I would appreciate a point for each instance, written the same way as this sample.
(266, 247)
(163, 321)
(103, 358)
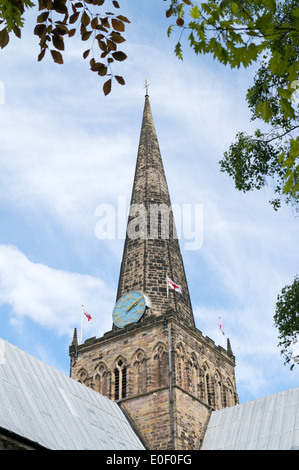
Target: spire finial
(146, 87)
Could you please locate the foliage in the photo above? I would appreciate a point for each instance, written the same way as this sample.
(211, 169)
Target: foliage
(240, 33)
(58, 19)
(286, 319)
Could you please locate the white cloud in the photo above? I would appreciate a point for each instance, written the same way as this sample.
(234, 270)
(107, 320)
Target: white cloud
(65, 149)
(52, 298)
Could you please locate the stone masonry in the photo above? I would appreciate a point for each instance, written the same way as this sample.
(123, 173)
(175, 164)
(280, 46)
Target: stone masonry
(165, 374)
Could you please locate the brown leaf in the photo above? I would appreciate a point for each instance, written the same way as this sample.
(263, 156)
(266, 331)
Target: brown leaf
(85, 19)
(60, 29)
(4, 38)
(94, 22)
(120, 79)
(180, 21)
(169, 12)
(74, 17)
(107, 87)
(42, 4)
(123, 18)
(97, 66)
(116, 37)
(102, 45)
(85, 35)
(118, 55)
(102, 71)
(105, 22)
(41, 55)
(117, 25)
(60, 6)
(111, 45)
(57, 57)
(42, 17)
(17, 31)
(40, 30)
(58, 43)
(86, 53)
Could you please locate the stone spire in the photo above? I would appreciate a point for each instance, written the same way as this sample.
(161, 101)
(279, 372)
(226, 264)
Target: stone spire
(151, 250)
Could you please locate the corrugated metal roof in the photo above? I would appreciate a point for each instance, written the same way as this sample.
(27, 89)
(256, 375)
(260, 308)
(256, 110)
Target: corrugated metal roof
(45, 406)
(269, 423)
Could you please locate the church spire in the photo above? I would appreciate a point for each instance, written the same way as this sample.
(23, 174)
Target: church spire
(151, 250)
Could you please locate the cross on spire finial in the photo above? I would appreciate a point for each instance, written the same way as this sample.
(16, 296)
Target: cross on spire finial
(146, 87)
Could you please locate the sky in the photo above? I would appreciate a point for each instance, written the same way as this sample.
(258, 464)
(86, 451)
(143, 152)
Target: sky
(66, 149)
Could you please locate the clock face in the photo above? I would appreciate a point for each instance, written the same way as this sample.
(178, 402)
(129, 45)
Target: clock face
(129, 309)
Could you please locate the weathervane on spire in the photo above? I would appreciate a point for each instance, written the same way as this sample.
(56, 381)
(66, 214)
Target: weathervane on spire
(146, 87)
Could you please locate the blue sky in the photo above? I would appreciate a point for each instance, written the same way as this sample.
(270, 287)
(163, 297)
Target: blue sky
(65, 149)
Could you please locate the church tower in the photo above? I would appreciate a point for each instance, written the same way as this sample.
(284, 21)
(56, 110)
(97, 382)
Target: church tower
(165, 374)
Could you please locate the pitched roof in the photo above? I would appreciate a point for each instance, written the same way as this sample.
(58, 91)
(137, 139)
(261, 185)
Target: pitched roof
(268, 423)
(46, 406)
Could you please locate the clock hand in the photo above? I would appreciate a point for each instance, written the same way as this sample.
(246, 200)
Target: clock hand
(134, 303)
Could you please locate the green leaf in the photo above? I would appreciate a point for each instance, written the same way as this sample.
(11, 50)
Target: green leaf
(263, 109)
(178, 51)
(270, 4)
(287, 108)
(169, 31)
(234, 8)
(195, 13)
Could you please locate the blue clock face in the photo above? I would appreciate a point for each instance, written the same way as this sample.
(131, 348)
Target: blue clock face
(129, 309)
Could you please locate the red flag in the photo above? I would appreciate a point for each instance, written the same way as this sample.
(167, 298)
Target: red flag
(221, 329)
(173, 285)
(89, 317)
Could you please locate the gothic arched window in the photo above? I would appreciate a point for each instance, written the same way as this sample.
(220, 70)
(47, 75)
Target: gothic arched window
(101, 379)
(83, 377)
(120, 380)
(180, 365)
(228, 394)
(140, 372)
(208, 392)
(193, 373)
(218, 391)
(160, 366)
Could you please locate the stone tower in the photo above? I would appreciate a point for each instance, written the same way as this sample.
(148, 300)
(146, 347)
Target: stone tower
(165, 374)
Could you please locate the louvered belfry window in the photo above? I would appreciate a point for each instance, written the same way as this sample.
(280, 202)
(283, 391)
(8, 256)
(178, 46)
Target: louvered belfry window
(120, 380)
